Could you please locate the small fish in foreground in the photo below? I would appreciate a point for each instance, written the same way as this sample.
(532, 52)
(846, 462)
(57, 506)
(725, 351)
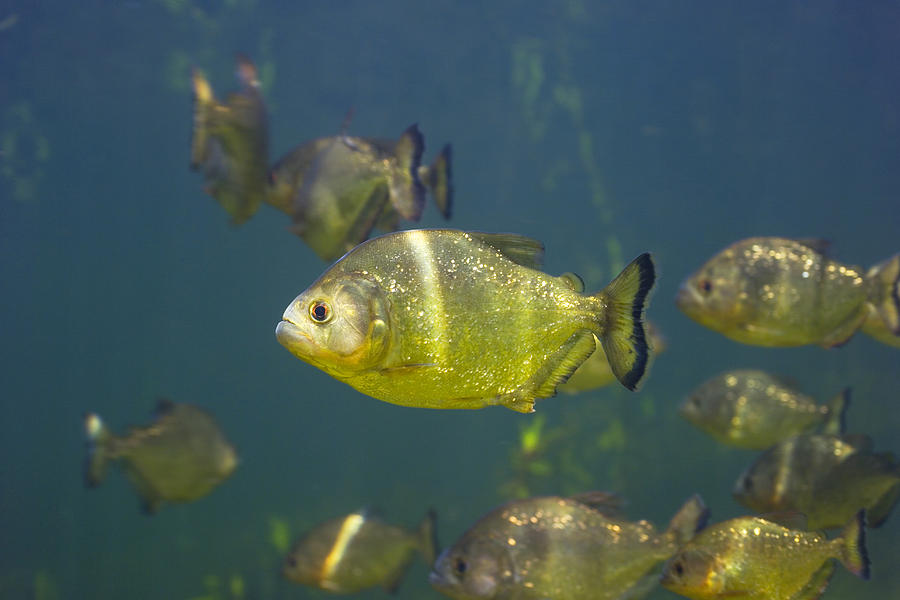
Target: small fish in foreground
(595, 372)
(229, 143)
(440, 318)
(748, 408)
(181, 457)
(758, 559)
(358, 551)
(771, 291)
(825, 477)
(567, 548)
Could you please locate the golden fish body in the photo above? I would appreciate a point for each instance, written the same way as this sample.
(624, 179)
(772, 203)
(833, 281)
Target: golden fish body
(181, 457)
(749, 408)
(552, 547)
(772, 291)
(357, 551)
(756, 559)
(453, 319)
(230, 141)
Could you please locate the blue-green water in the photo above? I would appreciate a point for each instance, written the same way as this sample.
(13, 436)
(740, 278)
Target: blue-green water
(605, 129)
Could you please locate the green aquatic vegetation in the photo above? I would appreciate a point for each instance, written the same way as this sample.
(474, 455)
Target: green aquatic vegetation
(279, 534)
(24, 150)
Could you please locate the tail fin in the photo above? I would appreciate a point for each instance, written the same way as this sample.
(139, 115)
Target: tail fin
(98, 455)
(689, 519)
(623, 336)
(853, 553)
(204, 105)
(428, 543)
(407, 192)
(884, 293)
(836, 424)
(438, 178)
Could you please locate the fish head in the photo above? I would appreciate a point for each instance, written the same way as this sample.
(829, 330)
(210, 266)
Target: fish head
(474, 569)
(715, 295)
(693, 572)
(341, 324)
(753, 488)
(706, 407)
(301, 567)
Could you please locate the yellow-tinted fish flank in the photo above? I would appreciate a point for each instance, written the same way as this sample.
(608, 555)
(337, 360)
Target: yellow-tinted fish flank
(450, 319)
(555, 547)
(771, 291)
(749, 408)
(179, 458)
(355, 552)
(753, 558)
(595, 372)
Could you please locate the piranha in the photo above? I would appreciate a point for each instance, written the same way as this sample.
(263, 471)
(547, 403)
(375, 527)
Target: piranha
(337, 189)
(758, 559)
(180, 457)
(595, 371)
(748, 408)
(552, 547)
(230, 141)
(771, 291)
(358, 551)
(441, 318)
(825, 477)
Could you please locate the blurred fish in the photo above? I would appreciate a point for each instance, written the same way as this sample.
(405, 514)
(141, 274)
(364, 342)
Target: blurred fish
(337, 189)
(771, 291)
(181, 457)
(567, 548)
(440, 318)
(825, 477)
(595, 372)
(757, 559)
(752, 409)
(882, 324)
(358, 551)
(229, 144)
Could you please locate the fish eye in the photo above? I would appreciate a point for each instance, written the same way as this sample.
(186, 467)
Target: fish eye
(706, 286)
(460, 566)
(320, 311)
(679, 569)
(291, 561)
(748, 483)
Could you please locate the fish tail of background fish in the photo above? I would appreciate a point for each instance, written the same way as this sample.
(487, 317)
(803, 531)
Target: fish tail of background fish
(884, 292)
(204, 110)
(438, 179)
(836, 424)
(407, 191)
(851, 546)
(624, 336)
(427, 537)
(245, 71)
(99, 452)
(690, 518)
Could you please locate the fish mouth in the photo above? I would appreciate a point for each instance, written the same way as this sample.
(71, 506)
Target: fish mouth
(438, 581)
(293, 338)
(687, 296)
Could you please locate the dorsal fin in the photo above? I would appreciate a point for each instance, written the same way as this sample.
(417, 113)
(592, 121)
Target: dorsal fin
(860, 441)
(522, 250)
(792, 519)
(608, 504)
(573, 281)
(820, 245)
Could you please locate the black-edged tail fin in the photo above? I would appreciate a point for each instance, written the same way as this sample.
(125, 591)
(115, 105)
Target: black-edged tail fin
(428, 542)
(853, 552)
(884, 292)
(623, 335)
(438, 179)
(836, 423)
(98, 453)
(407, 192)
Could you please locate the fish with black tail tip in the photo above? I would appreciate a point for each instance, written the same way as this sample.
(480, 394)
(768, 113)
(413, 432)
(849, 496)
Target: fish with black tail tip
(337, 189)
(759, 559)
(358, 551)
(182, 456)
(825, 477)
(749, 408)
(440, 318)
(230, 143)
(576, 548)
(771, 291)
